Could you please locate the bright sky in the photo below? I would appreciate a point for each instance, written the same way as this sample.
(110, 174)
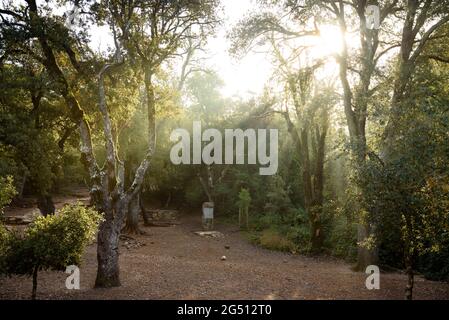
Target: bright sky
(246, 76)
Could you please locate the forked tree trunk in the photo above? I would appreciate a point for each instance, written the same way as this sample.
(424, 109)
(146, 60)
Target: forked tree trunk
(106, 185)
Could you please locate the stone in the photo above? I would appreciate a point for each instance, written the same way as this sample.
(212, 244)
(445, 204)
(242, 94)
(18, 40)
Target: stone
(161, 218)
(212, 234)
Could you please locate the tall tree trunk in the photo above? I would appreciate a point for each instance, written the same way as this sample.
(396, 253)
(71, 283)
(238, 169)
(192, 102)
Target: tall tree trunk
(208, 186)
(317, 234)
(355, 107)
(410, 283)
(108, 255)
(132, 216)
(106, 186)
(108, 260)
(46, 205)
(311, 207)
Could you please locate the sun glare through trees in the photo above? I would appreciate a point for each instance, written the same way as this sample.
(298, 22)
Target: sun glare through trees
(224, 150)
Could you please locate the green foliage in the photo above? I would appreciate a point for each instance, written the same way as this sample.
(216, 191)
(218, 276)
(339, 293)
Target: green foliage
(407, 194)
(277, 199)
(342, 239)
(292, 227)
(435, 265)
(50, 243)
(273, 240)
(32, 121)
(244, 199)
(403, 193)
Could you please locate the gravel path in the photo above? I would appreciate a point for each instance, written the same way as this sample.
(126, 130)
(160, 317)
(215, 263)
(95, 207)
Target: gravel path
(175, 263)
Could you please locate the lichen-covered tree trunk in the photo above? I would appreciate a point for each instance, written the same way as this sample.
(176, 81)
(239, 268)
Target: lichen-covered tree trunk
(106, 186)
(108, 270)
(108, 256)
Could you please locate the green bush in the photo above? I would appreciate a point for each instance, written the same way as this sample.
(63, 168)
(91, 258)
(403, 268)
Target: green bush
(286, 232)
(342, 239)
(50, 243)
(271, 239)
(265, 221)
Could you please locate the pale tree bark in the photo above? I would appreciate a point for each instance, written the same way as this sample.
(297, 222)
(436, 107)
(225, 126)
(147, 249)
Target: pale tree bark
(167, 28)
(132, 217)
(136, 187)
(116, 198)
(358, 140)
(106, 186)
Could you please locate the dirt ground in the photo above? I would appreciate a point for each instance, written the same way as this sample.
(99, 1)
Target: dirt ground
(175, 263)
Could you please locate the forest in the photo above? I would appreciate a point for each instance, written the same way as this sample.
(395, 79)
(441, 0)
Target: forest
(175, 149)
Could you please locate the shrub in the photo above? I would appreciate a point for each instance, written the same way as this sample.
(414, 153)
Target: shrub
(272, 240)
(342, 239)
(265, 221)
(50, 243)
